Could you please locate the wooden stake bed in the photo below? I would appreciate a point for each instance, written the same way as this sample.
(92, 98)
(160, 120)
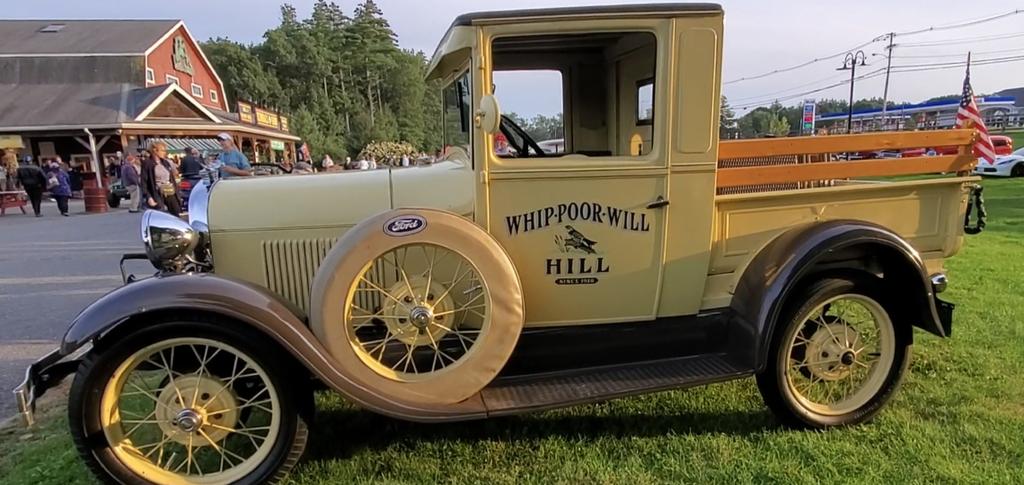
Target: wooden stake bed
(802, 147)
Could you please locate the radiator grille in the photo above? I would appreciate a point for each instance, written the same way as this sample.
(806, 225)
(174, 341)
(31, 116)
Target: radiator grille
(291, 265)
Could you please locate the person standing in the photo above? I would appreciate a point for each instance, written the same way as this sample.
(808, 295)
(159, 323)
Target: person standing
(33, 181)
(191, 165)
(131, 179)
(233, 163)
(158, 181)
(59, 185)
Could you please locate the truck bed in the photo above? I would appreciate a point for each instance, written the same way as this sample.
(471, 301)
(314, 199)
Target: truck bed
(769, 186)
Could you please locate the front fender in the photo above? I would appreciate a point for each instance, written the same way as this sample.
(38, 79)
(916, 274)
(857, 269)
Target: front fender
(771, 277)
(257, 308)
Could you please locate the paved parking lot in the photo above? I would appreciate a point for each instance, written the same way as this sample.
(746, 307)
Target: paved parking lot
(50, 269)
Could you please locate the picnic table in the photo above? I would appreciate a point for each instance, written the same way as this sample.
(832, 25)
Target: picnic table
(10, 199)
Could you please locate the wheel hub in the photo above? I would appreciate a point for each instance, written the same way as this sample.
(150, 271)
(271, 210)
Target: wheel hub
(829, 355)
(190, 404)
(188, 420)
(421, 312)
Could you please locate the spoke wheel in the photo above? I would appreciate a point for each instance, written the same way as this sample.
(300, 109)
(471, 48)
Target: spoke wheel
(839, 358)
(426, 318)
(172, 411)
(836, 355)
(189, 403)
(417, 311)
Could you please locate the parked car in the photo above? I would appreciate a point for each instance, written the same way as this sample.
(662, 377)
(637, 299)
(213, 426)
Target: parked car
(484, 286)
(1003, 145)
(1011, 165)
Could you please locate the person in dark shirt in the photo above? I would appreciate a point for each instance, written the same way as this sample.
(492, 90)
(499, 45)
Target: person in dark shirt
(33, 181)
(191, 166)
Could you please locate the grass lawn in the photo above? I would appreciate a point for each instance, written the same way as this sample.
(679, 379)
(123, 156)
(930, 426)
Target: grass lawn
(959, 417)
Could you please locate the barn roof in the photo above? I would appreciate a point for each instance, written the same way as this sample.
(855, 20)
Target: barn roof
(81, 37)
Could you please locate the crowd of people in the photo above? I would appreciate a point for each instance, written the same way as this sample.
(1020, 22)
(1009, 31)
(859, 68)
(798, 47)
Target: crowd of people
(369, 162)
(52, 177)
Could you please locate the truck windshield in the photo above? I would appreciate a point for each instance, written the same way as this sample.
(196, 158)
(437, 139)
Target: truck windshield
(456, 113)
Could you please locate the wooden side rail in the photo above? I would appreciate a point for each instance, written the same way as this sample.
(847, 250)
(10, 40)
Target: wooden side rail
(801, 147)
(804, 172)
(893, 140)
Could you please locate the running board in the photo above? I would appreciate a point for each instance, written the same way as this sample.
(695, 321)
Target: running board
(514, 395)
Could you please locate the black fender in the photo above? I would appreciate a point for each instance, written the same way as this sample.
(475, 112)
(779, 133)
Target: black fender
(778, 269)
(129, 307)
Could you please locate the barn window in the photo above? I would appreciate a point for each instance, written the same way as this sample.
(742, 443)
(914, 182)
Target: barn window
(197, 91)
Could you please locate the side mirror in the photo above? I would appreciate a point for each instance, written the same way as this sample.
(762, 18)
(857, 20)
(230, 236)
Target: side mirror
(488, 117)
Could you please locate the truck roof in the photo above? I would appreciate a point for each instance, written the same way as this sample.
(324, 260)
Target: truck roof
(457, 39)
(650, 9)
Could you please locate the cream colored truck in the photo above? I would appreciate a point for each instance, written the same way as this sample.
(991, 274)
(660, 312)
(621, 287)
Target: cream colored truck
(647, 256)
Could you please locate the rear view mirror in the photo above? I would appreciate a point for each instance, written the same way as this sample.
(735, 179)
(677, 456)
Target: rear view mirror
(488, 116)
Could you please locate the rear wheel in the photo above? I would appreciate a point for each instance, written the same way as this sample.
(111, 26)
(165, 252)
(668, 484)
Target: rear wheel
(188, 403)
(1018, 170)
(837, 356)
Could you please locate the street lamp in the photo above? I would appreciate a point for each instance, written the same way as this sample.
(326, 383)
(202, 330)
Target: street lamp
(850, 62)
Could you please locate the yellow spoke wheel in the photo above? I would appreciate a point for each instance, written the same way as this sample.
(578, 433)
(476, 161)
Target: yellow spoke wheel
(172, 412)
(424, 317)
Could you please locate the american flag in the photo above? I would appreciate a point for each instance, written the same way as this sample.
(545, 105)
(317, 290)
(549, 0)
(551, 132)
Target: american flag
(968, 116)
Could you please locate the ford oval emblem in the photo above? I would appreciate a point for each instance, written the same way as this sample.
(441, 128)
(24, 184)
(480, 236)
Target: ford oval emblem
(404, 225)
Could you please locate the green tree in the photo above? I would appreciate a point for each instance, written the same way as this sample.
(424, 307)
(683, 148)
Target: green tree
(726, 120)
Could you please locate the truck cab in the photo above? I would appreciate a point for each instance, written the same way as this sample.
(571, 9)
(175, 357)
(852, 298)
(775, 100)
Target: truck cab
(629, 201)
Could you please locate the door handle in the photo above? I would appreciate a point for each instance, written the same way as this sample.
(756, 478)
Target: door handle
(658, 203)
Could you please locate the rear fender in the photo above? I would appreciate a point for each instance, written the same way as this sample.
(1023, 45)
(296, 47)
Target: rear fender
(126, 308)
(773, 275)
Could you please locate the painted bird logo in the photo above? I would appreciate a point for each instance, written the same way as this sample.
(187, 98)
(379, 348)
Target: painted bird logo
(577, 240)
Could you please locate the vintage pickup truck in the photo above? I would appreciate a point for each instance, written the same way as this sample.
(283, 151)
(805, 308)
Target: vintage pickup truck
(647, 256)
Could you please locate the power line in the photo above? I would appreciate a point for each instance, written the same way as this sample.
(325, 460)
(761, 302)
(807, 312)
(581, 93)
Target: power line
(875, 73)
(791, 88)
(879, 72)
(957, 55)
(880, 38)
(960, 25)
(962, 40)
(798, 66)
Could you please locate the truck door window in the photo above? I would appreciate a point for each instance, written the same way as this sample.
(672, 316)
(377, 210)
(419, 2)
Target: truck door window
(457, 103)
(603, 83)
(532, 101)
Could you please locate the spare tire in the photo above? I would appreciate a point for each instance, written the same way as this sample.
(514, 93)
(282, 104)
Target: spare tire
(420, 305)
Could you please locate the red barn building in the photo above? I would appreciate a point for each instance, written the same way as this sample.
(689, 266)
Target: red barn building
(87, 89)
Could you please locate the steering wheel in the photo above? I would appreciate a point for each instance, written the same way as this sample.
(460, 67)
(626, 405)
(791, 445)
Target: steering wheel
(509, 127)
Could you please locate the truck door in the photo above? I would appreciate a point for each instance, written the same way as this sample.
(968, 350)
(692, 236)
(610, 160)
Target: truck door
(586, 226)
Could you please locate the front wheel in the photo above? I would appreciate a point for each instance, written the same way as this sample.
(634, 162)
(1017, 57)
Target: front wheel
(188, 403)
(837, 356)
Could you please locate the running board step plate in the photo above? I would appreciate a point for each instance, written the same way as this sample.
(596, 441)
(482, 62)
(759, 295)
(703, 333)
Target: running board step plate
(514, 395)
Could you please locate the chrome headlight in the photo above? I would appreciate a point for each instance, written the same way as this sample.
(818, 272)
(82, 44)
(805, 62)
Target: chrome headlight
(170, 242)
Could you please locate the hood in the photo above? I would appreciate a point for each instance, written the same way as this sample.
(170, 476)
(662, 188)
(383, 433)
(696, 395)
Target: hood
(298, 201)
(336, 199)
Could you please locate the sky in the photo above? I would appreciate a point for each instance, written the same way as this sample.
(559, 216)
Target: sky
(760, 36)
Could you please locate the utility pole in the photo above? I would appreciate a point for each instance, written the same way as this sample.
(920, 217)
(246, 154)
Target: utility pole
(885, 91)
(850, 62)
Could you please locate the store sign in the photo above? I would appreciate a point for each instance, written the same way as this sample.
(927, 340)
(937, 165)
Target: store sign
(277, 145)
(245, 113)
(180, 56)
(267, 118)
(11, 141)
(284, 123)
(807, 127)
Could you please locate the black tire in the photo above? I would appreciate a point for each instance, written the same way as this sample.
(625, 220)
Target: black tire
(113, 201)
(1017, 170)
(773, 382)
(295, 396)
